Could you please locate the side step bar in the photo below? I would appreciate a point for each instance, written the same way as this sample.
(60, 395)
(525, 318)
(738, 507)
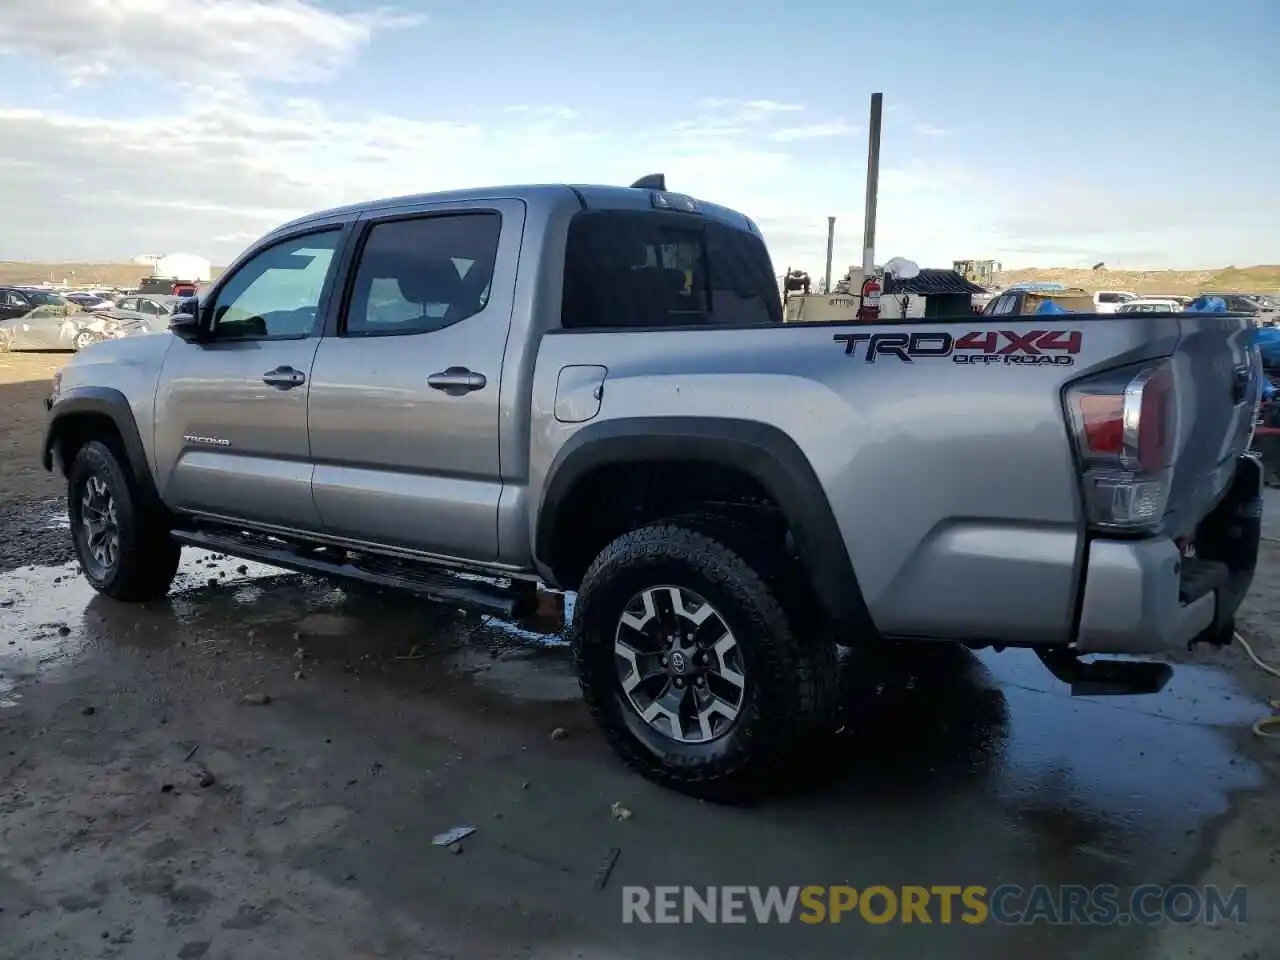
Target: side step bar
(437, 584)
(1106, 678)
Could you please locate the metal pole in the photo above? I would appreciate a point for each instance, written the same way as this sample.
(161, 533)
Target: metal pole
(831, 246)
(873, 186)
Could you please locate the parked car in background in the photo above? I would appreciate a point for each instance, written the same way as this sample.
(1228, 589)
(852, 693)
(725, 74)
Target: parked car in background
(142, 314)
(20, 301)
(167, 286)
(1019, 301)
(1150, 305)
(88, 301)
(40, 320)
(160, 305)
(1260, 307)
(1107, 301)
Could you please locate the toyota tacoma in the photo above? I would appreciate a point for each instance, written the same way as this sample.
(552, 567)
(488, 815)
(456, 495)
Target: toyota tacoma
(472, 394)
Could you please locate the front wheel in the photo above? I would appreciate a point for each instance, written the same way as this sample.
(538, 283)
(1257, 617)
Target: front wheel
(83, 339)
(124, 548)
(689, 664)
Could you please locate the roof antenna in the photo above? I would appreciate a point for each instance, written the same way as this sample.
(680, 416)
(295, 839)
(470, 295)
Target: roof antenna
(652, 181)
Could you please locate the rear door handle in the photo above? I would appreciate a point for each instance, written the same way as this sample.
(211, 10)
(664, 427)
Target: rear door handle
(284, 378)
(456, 381)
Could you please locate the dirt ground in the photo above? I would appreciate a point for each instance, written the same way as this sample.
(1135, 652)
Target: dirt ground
(256, 767)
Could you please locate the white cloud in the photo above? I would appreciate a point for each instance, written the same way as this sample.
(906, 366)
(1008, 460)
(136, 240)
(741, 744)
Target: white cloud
(192, 40)
(216, 166)
(235, 239)
(749, 111)
(211, 172)
(812, 131)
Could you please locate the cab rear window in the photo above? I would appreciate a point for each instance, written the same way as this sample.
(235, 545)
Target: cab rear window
(629, 269)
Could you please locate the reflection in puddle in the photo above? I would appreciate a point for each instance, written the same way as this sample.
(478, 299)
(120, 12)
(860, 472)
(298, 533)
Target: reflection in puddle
(7, 699)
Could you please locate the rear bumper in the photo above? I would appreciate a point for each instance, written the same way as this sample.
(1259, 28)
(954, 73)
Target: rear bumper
(1141, 596)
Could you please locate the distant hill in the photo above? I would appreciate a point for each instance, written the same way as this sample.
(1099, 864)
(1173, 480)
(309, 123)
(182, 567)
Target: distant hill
(76, 274)
(1260, 279)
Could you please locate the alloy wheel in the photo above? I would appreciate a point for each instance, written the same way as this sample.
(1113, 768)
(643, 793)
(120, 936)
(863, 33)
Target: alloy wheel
(679, 665)
(101, 529)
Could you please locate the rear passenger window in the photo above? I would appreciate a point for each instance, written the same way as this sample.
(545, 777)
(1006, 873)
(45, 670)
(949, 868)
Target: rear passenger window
(423, 274)
(628, 269)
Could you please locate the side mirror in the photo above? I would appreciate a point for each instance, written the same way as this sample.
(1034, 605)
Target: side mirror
(185, 326)
(185, 322)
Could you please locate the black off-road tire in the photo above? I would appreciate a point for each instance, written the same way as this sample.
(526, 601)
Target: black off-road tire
(784, 682)
(788, 581)
(147, 557)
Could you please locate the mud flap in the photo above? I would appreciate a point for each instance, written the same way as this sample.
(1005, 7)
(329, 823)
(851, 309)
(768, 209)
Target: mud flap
(1229, 537)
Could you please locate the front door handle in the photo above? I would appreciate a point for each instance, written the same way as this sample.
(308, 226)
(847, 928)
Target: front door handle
(284, 378)
(457, 381)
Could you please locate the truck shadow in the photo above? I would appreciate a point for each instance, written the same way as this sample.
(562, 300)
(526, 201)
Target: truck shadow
(910, 719)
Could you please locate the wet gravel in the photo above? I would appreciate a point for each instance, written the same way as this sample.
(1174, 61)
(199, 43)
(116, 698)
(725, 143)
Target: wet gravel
(34, 533)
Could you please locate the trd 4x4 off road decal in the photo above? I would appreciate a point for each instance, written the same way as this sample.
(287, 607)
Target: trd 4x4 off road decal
(982, 347)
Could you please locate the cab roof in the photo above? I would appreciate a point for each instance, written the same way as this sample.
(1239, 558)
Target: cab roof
(588, 197)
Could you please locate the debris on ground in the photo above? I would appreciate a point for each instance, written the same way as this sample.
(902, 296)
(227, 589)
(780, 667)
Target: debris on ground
(255, 699)
(620, 812)
(206, 779)
(455, 848)
(559, 733)
(452, 836)
(191, 753)
(89, 711)
(606, 868)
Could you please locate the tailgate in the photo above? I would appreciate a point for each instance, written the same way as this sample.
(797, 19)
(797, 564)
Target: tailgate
(1218, 388)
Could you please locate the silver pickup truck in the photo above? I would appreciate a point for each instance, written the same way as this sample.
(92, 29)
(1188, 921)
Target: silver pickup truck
(468, 394)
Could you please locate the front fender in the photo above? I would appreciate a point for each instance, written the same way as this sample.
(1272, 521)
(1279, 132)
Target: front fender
(79, 411)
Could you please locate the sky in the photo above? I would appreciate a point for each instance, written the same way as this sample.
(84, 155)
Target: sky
(1140, 133)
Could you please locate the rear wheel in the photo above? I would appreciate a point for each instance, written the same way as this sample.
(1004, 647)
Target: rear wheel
(689, 664)
(124, 548)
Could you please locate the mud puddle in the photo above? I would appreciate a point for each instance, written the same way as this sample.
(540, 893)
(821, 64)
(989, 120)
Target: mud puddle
(386, 710)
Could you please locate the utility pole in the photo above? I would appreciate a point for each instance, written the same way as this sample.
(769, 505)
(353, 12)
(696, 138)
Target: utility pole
(873, 185)
(831, 245)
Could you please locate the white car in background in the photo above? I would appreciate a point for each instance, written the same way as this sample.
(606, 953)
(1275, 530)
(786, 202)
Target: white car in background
(1109, 301)
(1149, 305)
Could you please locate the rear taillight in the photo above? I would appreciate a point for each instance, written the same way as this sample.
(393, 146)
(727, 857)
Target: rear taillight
(1125, 423)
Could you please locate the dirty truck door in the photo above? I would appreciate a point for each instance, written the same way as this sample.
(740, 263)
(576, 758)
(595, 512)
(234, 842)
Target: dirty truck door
(231, 413)
(404, 407)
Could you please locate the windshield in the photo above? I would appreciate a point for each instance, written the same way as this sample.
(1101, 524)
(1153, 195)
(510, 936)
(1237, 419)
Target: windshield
(41, 299)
